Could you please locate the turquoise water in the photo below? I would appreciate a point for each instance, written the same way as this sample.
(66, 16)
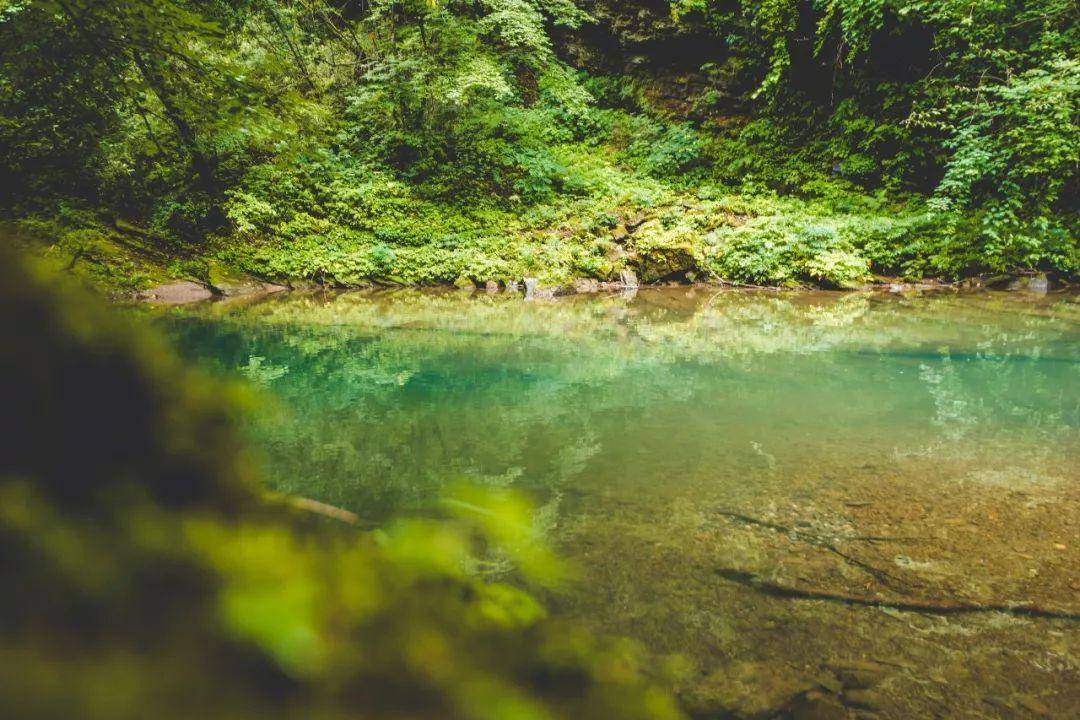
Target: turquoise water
(642, 424)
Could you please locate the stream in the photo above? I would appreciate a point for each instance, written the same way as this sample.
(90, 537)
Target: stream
(802, 504)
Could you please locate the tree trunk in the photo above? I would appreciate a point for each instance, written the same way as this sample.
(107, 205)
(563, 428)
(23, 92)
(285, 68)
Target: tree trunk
(200, 163)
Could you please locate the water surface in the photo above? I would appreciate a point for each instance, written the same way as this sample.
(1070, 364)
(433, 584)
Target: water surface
(868, 446)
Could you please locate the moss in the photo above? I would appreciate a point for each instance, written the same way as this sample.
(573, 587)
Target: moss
(118, 259)
(327, 224)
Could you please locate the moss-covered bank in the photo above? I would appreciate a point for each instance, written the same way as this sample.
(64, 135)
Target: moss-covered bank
(352, 232)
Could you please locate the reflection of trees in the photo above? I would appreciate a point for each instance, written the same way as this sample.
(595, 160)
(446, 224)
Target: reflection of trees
(954, 409)
(259, 371)
(378, 421)
(388, 395)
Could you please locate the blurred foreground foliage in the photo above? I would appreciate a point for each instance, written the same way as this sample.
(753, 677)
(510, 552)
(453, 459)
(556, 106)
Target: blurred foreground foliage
(146, 575)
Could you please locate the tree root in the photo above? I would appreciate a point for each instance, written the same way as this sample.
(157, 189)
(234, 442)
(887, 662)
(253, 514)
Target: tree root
(927, 606)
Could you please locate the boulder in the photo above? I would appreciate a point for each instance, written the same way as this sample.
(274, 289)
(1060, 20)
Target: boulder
(665, 263)
(1034, 284)
(586, 285)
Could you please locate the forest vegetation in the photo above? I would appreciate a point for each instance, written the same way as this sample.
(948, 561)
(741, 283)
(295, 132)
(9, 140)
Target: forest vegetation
(435, 142)
(778, 142)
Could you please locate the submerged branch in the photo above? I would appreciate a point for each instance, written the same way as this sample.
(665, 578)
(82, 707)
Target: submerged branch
(748, 520)
(878, 574)
(929, 606)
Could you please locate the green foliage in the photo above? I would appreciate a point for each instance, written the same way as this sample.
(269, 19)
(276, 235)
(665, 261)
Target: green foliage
(466, 99)
(1015, 149)
(902, 93)
(664, 151)
(775, 251)
(117, 258)
(432, 142)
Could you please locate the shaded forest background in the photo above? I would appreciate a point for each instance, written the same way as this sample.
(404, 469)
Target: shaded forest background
(426, 141)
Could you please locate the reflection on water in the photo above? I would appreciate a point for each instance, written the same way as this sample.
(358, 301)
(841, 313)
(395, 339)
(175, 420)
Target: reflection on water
(864, 445)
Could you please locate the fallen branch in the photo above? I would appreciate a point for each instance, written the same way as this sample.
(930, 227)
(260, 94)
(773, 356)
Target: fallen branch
(321, 508)
(928, 606)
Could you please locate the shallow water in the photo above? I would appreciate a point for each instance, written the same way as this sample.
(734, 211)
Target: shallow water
(856, 447)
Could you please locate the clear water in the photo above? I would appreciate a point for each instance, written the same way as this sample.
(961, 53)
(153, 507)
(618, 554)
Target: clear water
(907, 448)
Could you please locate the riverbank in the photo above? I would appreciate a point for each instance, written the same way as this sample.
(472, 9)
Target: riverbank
(633, 232)
(183, 292)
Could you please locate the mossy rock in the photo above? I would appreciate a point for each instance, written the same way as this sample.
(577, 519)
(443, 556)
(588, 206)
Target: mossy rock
(665, 263)
(227, 281)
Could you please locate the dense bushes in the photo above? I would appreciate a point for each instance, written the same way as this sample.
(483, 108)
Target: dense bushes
(977, 103)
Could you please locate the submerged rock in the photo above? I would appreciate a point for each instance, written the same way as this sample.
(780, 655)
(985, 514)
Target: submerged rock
(1030, 704)
(748, 690)
(863, 699)
(860, 673)
(818, 706)
(665, 263)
